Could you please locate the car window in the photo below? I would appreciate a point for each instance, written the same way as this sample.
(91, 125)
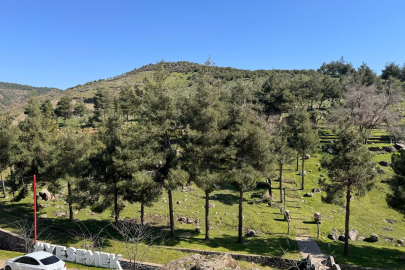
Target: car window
(24, 260)
(50, 260)
(33, 261)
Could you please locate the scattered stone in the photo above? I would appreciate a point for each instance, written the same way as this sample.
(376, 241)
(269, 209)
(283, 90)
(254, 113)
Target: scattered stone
(353, 233)
(92, 213)
(342, 237)
(182, 219)
(361, 238)
(325, 148)
(211, 205)
(250, 233)
(384, 163)
(316, 190)
(388, 239)
(185, 199)
(307, 156)
(399, 145)
(400, 242)
(45, 194)
(178, 202)
(310, 170)
(390, 149)
(265, 241)
(380, 171)
(383, 220)
(374, 237)
(305, 173)
(331, 151)
(334, 235)
(387, 229)
(334, 211)
(42, 216)
(308, 194)
(317, 165)
(392, 221)
(197, 230)
(190, 221)
(322, 175)
(303, 201)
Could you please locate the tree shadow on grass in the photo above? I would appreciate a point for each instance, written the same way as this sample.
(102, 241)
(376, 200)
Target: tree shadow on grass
(228, 199)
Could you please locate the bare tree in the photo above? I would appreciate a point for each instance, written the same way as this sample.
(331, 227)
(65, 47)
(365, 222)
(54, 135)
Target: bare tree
(91, 240)
(26, 230)
(370, 107)
(138, 239)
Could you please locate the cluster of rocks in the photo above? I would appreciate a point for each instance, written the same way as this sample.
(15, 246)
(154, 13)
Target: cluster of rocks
(45, 195)
(398, 146)
(187, 220)
(354, 236)
(328, 148)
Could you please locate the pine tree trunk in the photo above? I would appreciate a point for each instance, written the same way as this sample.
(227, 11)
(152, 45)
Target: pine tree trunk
(116, 206)
(207, 222)
(2, 181)
(142, 213)
(240, 240)
(12, 182)
(169, 194)
(281, 183)
(270, 189)
(298, 159)
(70, 205)
(303, 170)
(346, 250)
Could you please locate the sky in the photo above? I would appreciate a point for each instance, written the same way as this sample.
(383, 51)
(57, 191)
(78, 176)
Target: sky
(65, 43)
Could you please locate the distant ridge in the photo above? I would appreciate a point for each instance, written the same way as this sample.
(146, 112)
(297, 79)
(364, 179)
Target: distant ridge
(13, 93)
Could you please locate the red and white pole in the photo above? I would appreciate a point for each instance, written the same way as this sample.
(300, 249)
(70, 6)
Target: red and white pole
(35, 209)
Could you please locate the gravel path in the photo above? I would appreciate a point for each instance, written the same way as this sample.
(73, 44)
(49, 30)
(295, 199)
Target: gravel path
(308, 246)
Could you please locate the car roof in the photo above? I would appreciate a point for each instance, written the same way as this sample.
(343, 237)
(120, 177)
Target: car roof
(39, 255)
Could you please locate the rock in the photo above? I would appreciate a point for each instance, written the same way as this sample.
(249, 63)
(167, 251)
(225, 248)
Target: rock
(361, 238)
(265, 241)
(384, 163)
(374, 237)
(317, 165)
(353, 234)
(42, 216)
(342, 237)
(308, 194)
(325, 148)
(307, 156)
(387, 229)
(190, 221)
(384, 220)
(400, 242)
(390, 149)
(43, 205)
(92, 213)
(388, 239)
(330, 141)
(380, 171)
(305, 173)
(374, 149)
(399, 145)
(182, 219)
(316, 190)
(197, 230)
(178, 202)
(45, 194)
(310, 170)
(198, 262)
(211, 205)
(334, 235)
(330, 151)
(322, 175)
(250, 233)
(334, 211)
(392, 221)
(317, 218)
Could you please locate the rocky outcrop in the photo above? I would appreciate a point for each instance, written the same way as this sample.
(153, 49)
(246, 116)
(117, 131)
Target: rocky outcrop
(198, 262)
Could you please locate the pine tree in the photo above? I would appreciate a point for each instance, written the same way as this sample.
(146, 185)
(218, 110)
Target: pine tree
(302, 137)
(350, 169)
(8, 135)
(47, 109)
(396, 199)
(64, 107)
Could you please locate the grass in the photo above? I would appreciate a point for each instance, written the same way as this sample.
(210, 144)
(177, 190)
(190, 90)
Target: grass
(367, 216)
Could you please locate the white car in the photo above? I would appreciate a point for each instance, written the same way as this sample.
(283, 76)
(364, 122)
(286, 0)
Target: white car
(39, 260)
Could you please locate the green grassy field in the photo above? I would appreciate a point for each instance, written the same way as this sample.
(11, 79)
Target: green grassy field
(369, 214)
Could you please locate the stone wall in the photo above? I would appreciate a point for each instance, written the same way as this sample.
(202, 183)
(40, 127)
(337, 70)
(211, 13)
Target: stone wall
(11, 241)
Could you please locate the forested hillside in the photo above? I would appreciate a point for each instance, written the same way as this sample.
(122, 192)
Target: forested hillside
(209, 154)
(12, 94)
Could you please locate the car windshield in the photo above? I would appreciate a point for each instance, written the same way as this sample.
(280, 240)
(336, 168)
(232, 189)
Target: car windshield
(49, 260)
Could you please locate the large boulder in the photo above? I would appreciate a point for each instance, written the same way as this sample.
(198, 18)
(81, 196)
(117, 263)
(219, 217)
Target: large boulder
(399, 145)
(250, 233)
(198, 262)
(334, 235)
(353, 234)
(307, 156)
(374, 237)
(45, 194)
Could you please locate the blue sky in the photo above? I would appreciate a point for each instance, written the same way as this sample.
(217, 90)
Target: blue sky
(65, 43)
